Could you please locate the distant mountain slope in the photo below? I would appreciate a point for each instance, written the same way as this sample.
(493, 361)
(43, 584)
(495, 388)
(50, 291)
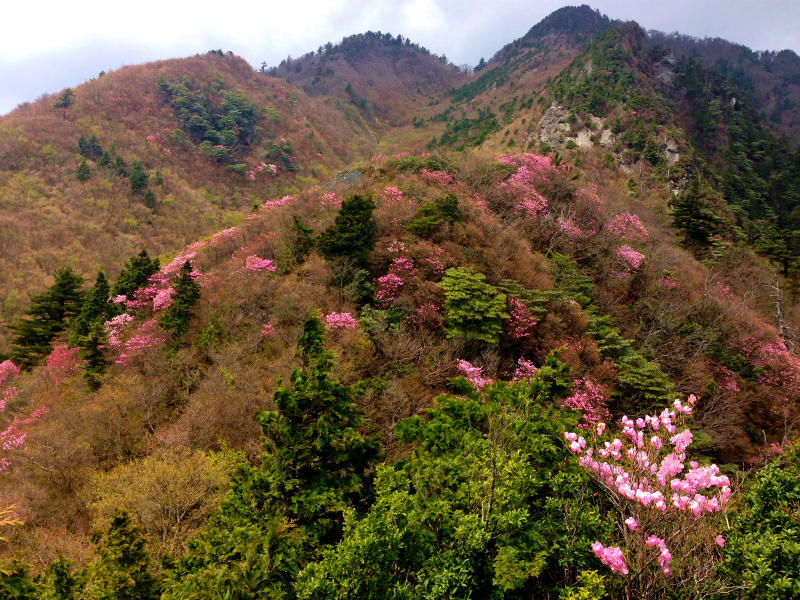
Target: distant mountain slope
(200, 138)
(388, 78)
(772, 79)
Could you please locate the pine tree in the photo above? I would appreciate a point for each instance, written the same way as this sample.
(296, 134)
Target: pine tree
(187, 292)
(312, 439)
(48, 315)
(693, 211)
(83, 172)
(92, 353)
(352, 234)
(138, 177)
(135, 274)
(95, 308)
(122, 571)
(65, 101)
(120, 166)
(474, 309)
(149, 199)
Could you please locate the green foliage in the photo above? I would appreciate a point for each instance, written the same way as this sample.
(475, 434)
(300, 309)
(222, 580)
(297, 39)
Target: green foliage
(302, 241)
(149, 198)
(488, 506)
(591, 587)
(763, 547)
(415, 164)
(90, 148)
(314, 469)
(96, 307)
(138, 177)
(473, 309)
(49, 313)
(177, 315)
(121, 573)
(468, 132)
(313, 439)
(431, 215)
(92, 353)
(16, 583)
(83, 172)
(135, 274)
(693, 211)
(58, 582)
(352, 234)
(65, 100)
(210, 113)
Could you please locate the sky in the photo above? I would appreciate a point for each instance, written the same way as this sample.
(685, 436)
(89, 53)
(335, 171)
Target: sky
(50, 45)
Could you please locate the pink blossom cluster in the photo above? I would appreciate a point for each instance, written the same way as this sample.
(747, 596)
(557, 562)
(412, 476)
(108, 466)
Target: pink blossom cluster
(612, 557)
(627, 226)
(437, 177)
(391, 195)
(251, 175)
(589, 398)
(254, 263)
(343, 320)
(779, 368)
(172, 269)
(521, 186)
(426, 316)
(635, 472)
(282, 202)
(114, 328)
(668, 282)
(8, 371)
(481, 203)
(401, 155)
(568, 228)
(388, 288)
(629, 261)
(377, 157)
(225, 234)
(163, 298)
(434, 259)
(330, 199)
(145, 339)
(520, 321)
(62, 362)
(473, 374)
(664, 556)
(725, 379)
(151, 138)
(396, 246)
(118, 299)
(260, 168)
(525, 371)
(268, 330)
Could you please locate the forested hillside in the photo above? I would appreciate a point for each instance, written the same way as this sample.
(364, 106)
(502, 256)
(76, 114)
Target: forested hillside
(534, 339)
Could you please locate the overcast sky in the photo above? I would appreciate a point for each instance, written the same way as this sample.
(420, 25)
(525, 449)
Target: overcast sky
(47, 46)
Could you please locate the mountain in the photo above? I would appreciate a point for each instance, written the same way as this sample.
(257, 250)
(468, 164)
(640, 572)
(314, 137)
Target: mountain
(516, 341)
(387, 78)
(771, 79)
(197, 143)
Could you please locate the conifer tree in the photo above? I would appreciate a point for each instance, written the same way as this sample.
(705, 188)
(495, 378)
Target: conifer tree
(122, 572)
(352, 234)
(474, 309)
(135, 274)
(149, 199)
(138, 177)
(96, 307)
(92, 353)
(187, 292)
(83, 172)
(693, 212)
(48, 315)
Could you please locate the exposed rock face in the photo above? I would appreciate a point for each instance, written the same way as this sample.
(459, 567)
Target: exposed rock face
(665, 69)
(672, 152)
(553, 127)
(350, 177)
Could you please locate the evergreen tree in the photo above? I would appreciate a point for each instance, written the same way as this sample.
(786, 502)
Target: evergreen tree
(149, 199)
(105, 159)
(59, 583)
(92, 353)
(65, 101)
(693, 211)
(313, 440)
(352, 234)
(280, 512)
(95, 308)
(135, 274)
(48, 315)
(187, 292)
(122, 571)
(474, 309)
(120, 166)
(138, 177)
(83, 172)
(16, 583)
